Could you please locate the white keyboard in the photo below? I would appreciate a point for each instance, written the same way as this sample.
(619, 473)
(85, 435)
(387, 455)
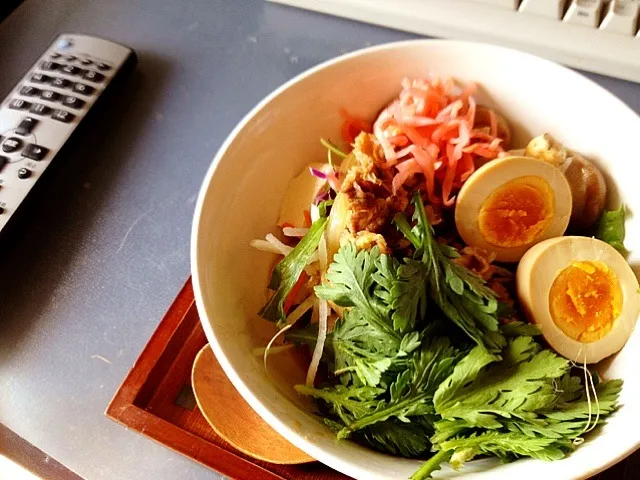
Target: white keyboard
(594, 35)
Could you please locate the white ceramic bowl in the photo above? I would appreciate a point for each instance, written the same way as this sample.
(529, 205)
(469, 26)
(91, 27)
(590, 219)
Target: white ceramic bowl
(240, 199)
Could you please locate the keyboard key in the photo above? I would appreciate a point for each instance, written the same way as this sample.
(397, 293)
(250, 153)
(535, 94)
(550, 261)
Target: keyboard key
(35, 152)
(584, 12)
(60, 83)
(40, 78)
(50, 66)
(19, 104)
(93, 76)
(72, 102)
(40, 109)
(29, 91)
(11, 145)
(547, 8)
(621, 17)
(63, 116)
(83, 89)
(26, 126)
(71, 70)
(50, 95)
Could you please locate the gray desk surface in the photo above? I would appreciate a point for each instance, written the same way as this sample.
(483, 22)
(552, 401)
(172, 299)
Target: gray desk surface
(107, 251)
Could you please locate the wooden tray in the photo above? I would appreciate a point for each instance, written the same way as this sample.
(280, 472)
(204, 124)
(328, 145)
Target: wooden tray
(156, 400)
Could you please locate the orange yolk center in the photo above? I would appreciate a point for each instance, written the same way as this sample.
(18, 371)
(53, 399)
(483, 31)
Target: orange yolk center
(517, 213)
(585, 300)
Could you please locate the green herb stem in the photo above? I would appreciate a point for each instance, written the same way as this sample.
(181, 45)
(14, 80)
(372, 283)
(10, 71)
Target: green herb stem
(432, 465)
(332, 147)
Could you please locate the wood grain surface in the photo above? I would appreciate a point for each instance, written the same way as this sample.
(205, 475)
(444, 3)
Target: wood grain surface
(156, 399)
(233, 419)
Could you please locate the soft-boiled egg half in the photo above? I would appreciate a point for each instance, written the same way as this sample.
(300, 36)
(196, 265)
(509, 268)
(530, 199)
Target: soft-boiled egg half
(510, 204)
(581, 293)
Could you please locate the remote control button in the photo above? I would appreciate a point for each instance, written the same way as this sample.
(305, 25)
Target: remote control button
(50, 66)
(40, 78)
(50, 95)
(35, 152)
(40, 109)
(19, 104)
(24, 173)
(93, 76)
(29, 91)
(64, 43)
(71, 70)
(83, 89)
(70, 58)
(1, 210)
(60, 83)
(26, 126)
(3, 162)
(73, 102)
(103, 66)
(11, 145)
(63, 116)
(55, 55)
(86, 61)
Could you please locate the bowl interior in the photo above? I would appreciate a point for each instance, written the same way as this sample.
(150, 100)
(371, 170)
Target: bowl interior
(241, 195)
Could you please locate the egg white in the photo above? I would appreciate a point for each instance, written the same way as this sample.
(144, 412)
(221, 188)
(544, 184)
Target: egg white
(536, 273)
(491, 176)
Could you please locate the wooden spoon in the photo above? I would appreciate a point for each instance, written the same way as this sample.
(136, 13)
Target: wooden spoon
(233, 419)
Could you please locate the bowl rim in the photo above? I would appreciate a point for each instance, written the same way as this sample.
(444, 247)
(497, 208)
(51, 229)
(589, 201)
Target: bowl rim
(297, 439)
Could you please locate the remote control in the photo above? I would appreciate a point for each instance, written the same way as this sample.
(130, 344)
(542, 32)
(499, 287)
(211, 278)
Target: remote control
(45, 109)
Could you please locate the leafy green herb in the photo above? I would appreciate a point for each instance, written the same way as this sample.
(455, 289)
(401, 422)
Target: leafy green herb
(504, 445)
(517, 328)
(364, 341)
(403, 384)
(396, 437)
(384, 298)
(363, 351)
(412, 392)
(358, 352)
(346, 403)
(611, 228)
(403, 288)
(517, 385)
(370, 413)
(351, 284)
(523, 403)
(286, 273)
(462, 296)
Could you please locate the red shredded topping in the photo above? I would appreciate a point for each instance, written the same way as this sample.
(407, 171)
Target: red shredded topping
(307, 218)
(429, 130)
(293, 294)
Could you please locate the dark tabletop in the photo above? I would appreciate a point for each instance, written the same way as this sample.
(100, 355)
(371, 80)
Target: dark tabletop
(85, 281)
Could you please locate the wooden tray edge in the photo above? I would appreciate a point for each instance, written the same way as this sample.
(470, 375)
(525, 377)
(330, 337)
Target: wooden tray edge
(122, 409)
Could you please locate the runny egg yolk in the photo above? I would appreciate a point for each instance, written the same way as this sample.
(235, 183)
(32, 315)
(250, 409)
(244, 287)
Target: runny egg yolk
(585, 300)
(517, 212)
